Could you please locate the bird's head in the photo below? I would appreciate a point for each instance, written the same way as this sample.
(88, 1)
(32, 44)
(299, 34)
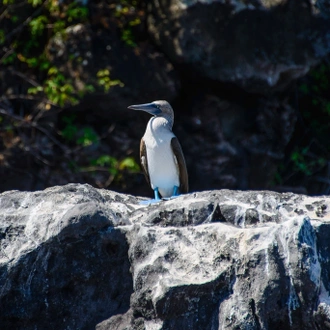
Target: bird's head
(159, 108)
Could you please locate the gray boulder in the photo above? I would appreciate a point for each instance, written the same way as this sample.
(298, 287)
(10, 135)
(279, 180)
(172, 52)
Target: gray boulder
(76, 257)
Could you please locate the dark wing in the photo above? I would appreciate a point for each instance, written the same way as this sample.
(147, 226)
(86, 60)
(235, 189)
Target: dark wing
(181, 163)
(144, 160)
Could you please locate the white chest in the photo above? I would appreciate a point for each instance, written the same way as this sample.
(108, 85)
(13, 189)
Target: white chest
(163, 171)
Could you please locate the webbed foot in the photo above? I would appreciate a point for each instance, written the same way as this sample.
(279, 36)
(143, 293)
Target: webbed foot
(150, 201)
(157, 199)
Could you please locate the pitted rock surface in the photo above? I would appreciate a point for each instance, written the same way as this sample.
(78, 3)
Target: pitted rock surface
(76, 257)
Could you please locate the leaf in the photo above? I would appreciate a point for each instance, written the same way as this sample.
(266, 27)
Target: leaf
(32, 62)
(67, 88)
(44, 65)
(35, 90)
(76, 12)
(58, 26)
(88, 138)
(130, 164)
(135, 22)
(52, 70)
(90, 88)
(103, 73)
(295, 156)
(35, 3)
(10, 58)
(127, 37)
(69, 132)
(106, 160)
(37, 25)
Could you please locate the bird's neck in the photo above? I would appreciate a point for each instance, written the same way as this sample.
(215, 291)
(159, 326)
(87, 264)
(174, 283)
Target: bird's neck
(160, 123)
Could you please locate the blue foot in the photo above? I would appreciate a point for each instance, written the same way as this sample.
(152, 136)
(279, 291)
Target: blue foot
(175, 191)
(157, 197)
(152, 201)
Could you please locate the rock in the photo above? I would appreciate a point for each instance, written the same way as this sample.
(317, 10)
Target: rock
(238, 147)
(260, 46)
(76, 257)
(58, 250)
(324, 7)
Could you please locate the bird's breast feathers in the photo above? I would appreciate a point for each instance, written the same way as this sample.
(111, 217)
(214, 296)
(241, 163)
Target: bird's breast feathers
(158, 136)
(162, 167)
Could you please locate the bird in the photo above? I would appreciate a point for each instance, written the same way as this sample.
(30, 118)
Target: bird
(161, 155)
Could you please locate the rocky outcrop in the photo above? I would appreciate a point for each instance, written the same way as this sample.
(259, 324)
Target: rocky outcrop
(260, 46)
(62, 265)
(237, 148)
(75, 257)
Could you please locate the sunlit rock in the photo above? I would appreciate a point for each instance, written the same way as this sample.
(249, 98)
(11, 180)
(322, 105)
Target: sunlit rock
(208, 260)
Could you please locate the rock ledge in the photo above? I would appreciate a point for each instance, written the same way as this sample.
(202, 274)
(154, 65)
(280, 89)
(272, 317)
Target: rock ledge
(76, 257)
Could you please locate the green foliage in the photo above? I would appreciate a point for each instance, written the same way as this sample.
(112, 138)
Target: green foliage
(126, 14)
(105, 81)
(84, 137)
(35, 3)
(305, 162)
(59, 90)
(38, 24)
(317, 87)
(109, 162)
(49, 20)
(37, 46)
(302, 163)
(299, 160)
(88, 137)
(127, 37)
(59, 27)
(129, 164)
(45, 20)
(10, 58)
(69, 132)
(76, 12)
(117, 167)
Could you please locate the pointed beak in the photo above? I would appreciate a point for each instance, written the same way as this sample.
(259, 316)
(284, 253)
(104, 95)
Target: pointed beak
(147, 107)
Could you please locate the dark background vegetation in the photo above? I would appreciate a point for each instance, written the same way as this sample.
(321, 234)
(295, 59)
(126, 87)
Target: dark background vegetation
(68, 71)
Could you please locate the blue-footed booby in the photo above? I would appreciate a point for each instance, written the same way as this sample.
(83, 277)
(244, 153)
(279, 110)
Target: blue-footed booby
(161, 155)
